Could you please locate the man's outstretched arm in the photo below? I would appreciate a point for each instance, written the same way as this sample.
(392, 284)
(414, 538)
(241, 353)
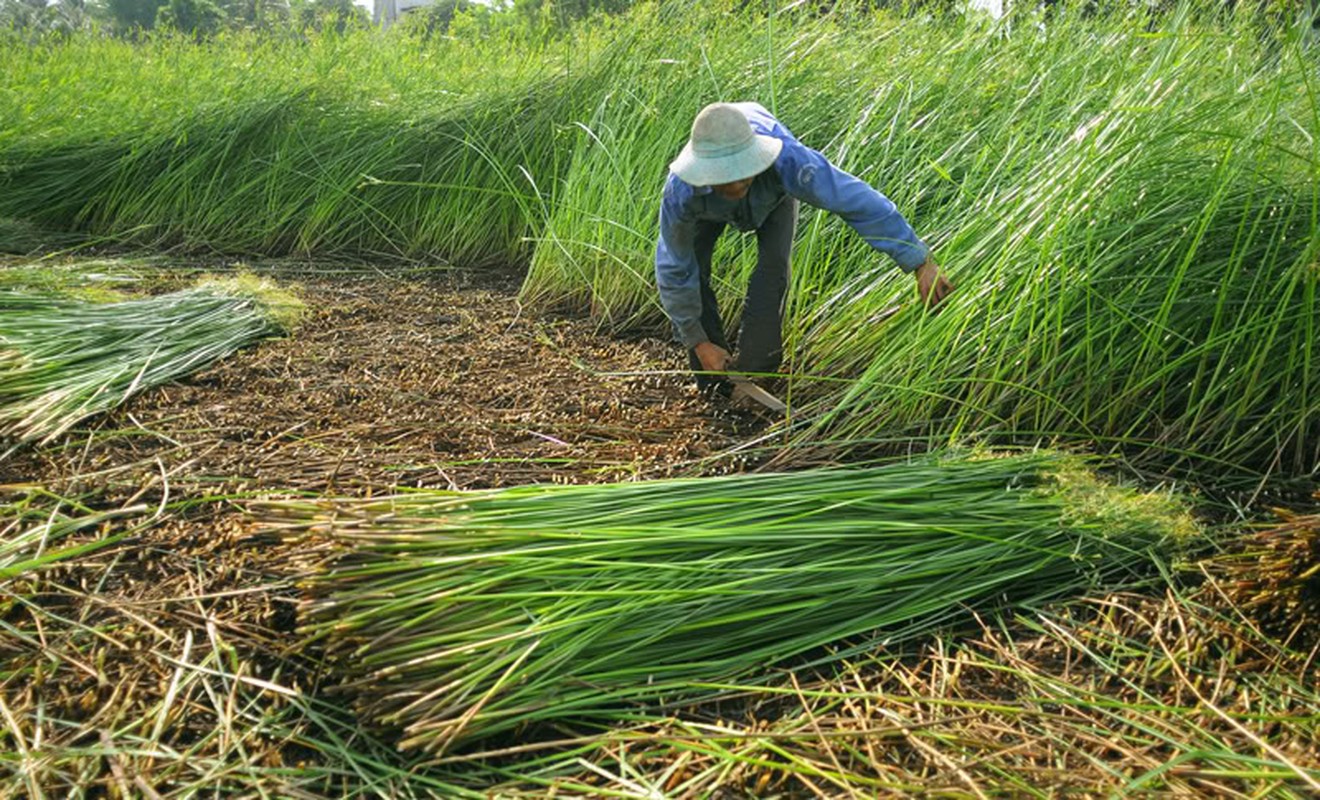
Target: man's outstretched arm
(810, 177)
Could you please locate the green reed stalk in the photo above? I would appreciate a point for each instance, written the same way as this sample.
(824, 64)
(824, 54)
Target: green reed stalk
(1127, 204)
(1129, 217)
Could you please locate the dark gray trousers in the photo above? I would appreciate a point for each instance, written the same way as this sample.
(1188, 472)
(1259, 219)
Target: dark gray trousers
(761, 335)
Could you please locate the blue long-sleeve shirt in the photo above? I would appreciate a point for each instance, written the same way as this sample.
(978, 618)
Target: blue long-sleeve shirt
(799, 172)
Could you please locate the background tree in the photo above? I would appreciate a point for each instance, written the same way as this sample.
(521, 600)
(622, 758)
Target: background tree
(23, 16)
(435, 18)
(39, 18)
(325, 15)
(266, 15)
(563, 12)
(130, 16)
(200, 18)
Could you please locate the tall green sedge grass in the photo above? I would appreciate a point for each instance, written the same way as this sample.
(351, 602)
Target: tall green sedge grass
(1128, 205)
(1130, 217)
(358, 145)
(462, 616)
(62, 360)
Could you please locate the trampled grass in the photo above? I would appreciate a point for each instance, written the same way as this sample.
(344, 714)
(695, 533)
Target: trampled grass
(1121, 694)
(112, 683)
(36, 525)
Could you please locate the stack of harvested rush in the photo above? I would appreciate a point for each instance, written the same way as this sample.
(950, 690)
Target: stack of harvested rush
(456, 616)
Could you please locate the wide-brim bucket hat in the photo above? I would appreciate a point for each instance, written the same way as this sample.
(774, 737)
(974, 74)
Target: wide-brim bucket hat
(724, 148)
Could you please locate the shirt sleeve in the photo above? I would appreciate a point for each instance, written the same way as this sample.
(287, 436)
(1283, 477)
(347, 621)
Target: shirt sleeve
(677, 275)
(811, 178)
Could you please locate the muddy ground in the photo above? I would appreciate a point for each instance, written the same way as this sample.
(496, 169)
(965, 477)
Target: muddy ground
(438, 382)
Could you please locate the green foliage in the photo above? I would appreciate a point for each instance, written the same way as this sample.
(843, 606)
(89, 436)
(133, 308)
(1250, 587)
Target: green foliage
(323, 16)
(257, 15)
(1129, 217)
(1126, 203)
(19, 236)
(571, 9)
(33, 527)
(435, 18)
(199, 18)
(132, 16)
(33, 20)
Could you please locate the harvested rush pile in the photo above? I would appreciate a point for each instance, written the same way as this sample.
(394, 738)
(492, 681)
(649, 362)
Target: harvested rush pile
(460, 616)
(63, 360)
(1274, 578)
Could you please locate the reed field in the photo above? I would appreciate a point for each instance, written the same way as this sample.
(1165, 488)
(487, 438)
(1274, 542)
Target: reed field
(1129, 214)
(345, 452)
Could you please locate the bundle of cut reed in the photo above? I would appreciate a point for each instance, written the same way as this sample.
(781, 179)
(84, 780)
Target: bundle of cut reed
(63, 359)
(462, 615)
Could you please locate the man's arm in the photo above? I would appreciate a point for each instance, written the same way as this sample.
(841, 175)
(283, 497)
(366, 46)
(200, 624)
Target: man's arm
(678, 277)
(810, 177)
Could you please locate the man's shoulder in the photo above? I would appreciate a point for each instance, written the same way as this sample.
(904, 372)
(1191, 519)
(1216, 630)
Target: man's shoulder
(750, 108)
(678, 192)
(759, 116)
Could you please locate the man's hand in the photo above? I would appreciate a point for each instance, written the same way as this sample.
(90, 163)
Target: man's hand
(932, 285)
(713, 357)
